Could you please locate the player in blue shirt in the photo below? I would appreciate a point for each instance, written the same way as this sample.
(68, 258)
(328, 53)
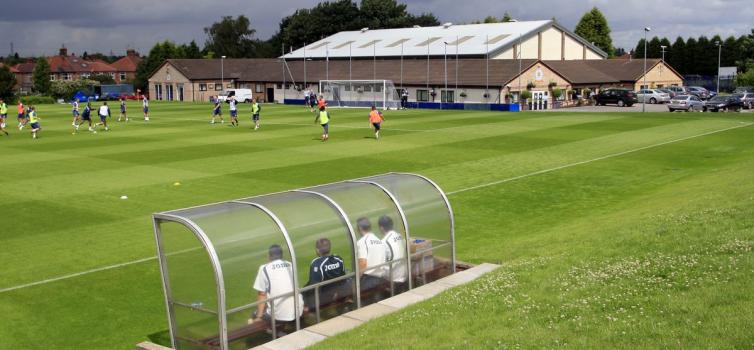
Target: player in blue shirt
(123, 110)
(86, 116)
(217, 111)
(326, 267)
(233, 111)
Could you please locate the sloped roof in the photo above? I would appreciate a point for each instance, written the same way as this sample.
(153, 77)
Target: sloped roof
(603, 71)
(127, 63)
(26, 67)
(11, 68)
(74, 64)
(470, 40)
(471, 72)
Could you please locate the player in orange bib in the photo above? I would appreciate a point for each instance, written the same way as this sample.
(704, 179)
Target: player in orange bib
(376, 118)
(321, 103)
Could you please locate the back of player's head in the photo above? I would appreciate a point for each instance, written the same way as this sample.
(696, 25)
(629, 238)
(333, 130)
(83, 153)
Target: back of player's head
(275, 252)
(322, 108)
(323, 246)
(364, 225)
(373, 107)
(385, 222)
(104, 103)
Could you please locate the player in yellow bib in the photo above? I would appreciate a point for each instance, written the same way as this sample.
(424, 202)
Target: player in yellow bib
(323, 117)
(3, 116)
(34, 122)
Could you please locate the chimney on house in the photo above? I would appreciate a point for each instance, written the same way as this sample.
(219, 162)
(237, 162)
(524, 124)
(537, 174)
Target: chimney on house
(63, 51)
(131, 53)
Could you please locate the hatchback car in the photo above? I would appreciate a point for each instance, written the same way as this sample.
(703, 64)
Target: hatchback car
(723, 103)
(678, 90)
(699, 92)
(688, 103)
(747, 99)
(620, 97)
(652, 96)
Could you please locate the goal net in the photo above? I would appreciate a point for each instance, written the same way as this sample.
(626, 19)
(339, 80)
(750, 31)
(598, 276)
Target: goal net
(360, 93)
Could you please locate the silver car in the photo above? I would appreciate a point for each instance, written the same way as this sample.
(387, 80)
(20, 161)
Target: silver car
(652, 96)
(688, 103)
(747, 98)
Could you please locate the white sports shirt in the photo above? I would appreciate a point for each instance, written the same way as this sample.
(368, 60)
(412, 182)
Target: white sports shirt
(104, 110)
(396, 250)
(372, 249)
(276, 278)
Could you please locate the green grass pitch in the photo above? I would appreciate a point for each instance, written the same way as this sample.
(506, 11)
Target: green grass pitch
(614, 230)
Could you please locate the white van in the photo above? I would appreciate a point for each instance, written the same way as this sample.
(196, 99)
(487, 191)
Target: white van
(242, 95)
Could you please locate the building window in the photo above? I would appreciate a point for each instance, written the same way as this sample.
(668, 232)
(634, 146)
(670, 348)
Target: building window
(447, 96)
(158, 92)
(202, 87)
(122, 76)
(279, 86)
(67, 76)
(422, 95)
(218, 87)
(643, 87)
(52, 77)
(85, 75)
(112, 75)
(169, 91)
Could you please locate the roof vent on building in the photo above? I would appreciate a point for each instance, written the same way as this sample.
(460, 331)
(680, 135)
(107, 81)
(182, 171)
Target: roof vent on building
(364, 30)
(447, 25)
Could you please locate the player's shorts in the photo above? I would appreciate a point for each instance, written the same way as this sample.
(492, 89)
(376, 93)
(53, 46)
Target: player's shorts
(35, 125)
(3, 116)
(123, 110)
(86, 117)
(103, 118)
(75, 113)
(217, 113)
(326, 127)
(21, 116)
(376, 126)
(255, 117)
(146, 109)
(234, 113)
(2, 125)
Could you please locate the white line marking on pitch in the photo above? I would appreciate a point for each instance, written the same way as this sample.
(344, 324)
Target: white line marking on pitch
(613, 155)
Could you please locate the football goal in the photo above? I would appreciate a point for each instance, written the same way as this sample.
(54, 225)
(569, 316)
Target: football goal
(360, 93)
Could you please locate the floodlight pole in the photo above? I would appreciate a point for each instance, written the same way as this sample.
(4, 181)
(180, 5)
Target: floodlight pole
(374, 71)
(519, 54)
(456, 64)
(663, 47)
(487, 67)
(350, 81)
(446, 73)
(222, 73)
(719, 57)
(327, 62)
(401, 70)
(643, 99)
(282, 50)
(428, 38)
(306, 87)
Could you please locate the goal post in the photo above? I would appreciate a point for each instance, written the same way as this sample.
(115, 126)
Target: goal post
(360, 93)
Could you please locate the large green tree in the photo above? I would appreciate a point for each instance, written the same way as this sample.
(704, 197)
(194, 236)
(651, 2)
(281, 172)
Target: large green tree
(231, 37)
(40, 77)
(157, 55)
(676, 56)
(7, 82)
(594, 28)
(327, 18)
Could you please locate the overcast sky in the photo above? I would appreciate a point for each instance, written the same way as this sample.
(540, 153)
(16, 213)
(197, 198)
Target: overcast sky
(41, 26)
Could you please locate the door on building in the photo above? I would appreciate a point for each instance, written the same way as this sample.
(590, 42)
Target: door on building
(270, 94)
(169, 91)
(538, 100)
(180, 92)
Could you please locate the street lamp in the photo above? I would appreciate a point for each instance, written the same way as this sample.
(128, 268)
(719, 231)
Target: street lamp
(663, 47)
(644, 100)
(222, 73)
(446, 71)
(719, 57)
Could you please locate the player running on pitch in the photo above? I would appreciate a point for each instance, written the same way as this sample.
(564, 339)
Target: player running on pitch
(145, 107)
(123, 110)
(233, 111)
(3, 116)
(323, 117)
(104, 112)
(76, 114)
(86, 116)
(255, 110)
(34, 122)
(376, 118)
(217, 111)
(21, 115)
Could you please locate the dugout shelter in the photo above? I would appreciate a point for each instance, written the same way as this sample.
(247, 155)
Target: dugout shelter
(210, 255)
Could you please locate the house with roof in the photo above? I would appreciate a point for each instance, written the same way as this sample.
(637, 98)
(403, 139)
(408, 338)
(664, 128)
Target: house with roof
(476, 63)
(125, 67)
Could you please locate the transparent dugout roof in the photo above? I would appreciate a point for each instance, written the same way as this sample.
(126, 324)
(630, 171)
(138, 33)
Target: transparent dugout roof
(213, 257)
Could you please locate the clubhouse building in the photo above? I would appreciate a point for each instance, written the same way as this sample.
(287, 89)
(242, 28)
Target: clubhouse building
(476, 63)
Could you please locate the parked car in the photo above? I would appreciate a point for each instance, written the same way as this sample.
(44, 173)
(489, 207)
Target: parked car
(667, 91)
(742, 89)
(688, 103)
(699, 92)
(652, 96)
(678, 90)
(723, 103)
(620, 97)
(242, 95)
(747, 99)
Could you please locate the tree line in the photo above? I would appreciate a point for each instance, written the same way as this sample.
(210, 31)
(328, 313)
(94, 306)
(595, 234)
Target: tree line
(700, 55)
